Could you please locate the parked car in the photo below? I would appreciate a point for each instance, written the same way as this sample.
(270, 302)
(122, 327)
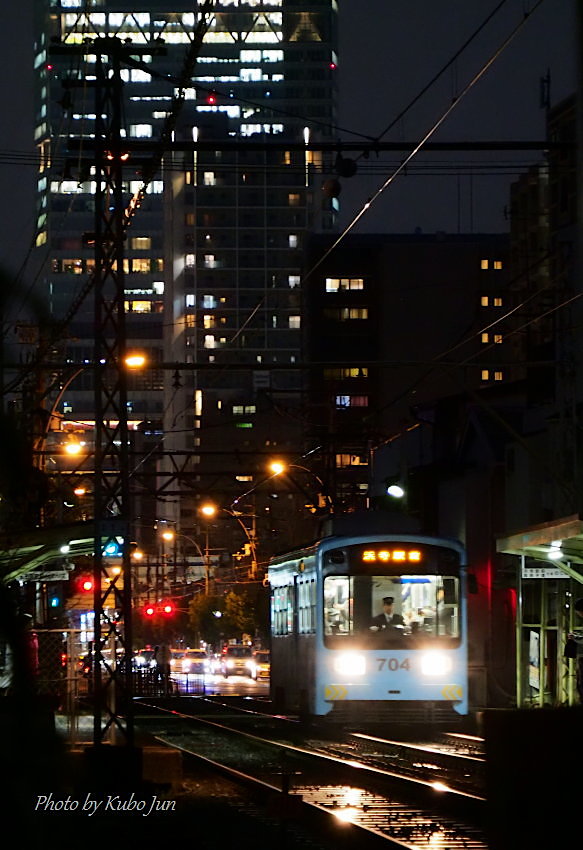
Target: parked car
(195, 661)
(260, 664)
(235, 660)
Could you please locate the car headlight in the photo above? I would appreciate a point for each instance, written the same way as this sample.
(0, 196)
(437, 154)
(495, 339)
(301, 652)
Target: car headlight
(230, 663)
(435, 663)
(350, 664)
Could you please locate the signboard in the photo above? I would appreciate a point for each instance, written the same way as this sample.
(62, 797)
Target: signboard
(261, 380)
(49, 575)
(543, 572)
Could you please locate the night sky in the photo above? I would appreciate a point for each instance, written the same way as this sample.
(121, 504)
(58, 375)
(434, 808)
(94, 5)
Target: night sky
(389, 50)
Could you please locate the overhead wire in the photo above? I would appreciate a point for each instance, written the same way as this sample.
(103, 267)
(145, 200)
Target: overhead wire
(428, 135)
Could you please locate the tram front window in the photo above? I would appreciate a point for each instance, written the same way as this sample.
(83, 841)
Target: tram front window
(424, 607)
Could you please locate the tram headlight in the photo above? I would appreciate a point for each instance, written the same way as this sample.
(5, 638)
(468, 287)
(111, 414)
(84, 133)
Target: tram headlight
(435, 663)
(350, 664)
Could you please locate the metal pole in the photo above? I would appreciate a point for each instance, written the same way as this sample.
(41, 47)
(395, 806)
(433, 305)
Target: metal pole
(207, 566)
(519, 689)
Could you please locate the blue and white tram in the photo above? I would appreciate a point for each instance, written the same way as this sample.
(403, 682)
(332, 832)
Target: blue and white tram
(330, 656)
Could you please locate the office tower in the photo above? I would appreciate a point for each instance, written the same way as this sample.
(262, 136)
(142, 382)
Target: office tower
(213, 257)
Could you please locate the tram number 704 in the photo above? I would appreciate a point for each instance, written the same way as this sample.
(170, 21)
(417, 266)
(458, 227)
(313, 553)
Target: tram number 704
(393, 664)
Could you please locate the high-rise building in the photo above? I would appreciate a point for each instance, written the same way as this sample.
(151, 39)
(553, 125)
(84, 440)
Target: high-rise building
(213, 257)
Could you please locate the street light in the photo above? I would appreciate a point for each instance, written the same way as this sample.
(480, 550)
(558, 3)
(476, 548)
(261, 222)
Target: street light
(134, 362)
(209, 511)
(171, 535)
(280, 467)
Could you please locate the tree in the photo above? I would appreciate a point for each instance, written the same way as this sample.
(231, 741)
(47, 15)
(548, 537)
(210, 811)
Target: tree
(243, 610)
(206, 617)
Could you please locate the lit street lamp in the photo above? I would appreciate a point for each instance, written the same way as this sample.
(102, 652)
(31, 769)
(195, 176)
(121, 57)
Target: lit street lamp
(171, 535)
(209, 510)
(279, 467)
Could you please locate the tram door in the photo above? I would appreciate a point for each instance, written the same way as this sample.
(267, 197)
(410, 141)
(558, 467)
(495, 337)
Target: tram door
(295, 669)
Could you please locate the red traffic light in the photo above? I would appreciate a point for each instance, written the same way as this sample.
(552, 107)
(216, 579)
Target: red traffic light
(167, 608)
(211, 99)
(85, 584)
(149, 610)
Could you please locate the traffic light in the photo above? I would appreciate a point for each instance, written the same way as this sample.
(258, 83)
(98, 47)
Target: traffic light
(85, 584)
(211, 98)
(166, 608)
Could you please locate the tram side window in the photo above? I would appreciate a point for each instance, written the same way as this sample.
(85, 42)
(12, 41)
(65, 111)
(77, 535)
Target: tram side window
(281, 611)
(338, 605)
(306, 607)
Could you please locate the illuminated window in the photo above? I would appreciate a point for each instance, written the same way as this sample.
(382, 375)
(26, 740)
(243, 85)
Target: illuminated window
(209, 178)
(294, 322)
(287, 158)
(210, 341)
(189, 261)
(138, 76)
(498, 338)
(485, 337)
(344, 314)
(497, 302)
(209, 321)
(293, 280)
(73, 266)
(484, 264)
(485, 374)
(497, 264)
(343, 460)
(140, 266)
(138, 306)
(210, 261)
(244, 409)
(189, 300)
(335, 284)
(141, 131)
(141, 243)
(293, 199)
(293, 240)
(346, 372)
(209, 301)
(484, 301)
(189, 320)
(498, 376)
(351, 401)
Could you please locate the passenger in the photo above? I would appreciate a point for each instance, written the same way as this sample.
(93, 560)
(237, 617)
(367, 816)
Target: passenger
(163, 658)
(578, 638)
(388, 619)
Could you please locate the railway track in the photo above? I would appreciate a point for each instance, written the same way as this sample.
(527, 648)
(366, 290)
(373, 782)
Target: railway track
(377, 798)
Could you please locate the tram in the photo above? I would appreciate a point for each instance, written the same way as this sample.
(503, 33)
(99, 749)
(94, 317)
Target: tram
(334, 657)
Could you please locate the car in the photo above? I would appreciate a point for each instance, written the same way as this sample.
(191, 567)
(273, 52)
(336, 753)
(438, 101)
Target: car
(215, 663)
(195, 661)
(177, 657)
(235, 659)
(260, 664)
(144, 659)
